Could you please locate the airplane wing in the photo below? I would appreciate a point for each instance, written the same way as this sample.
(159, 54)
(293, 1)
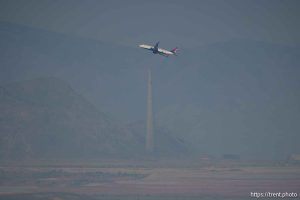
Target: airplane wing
(144, 46)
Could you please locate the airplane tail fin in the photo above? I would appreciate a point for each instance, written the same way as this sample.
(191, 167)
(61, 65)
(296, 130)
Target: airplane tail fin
(174, 50)
(156, 45)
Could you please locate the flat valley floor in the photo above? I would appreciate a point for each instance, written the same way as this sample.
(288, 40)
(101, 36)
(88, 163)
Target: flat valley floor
(146, 180)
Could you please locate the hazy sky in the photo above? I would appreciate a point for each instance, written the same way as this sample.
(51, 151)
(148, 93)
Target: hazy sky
(239, 83)
(184, 23)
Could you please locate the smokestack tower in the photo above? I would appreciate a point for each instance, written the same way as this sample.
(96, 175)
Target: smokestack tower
(149, 136)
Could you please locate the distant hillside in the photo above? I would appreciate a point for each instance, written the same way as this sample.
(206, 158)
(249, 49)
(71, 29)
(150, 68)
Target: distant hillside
(240, 97)
(166, 144)
(232, 97)
(46, 118)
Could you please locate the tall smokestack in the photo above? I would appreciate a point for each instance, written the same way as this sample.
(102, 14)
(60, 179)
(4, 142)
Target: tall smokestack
(149, 136)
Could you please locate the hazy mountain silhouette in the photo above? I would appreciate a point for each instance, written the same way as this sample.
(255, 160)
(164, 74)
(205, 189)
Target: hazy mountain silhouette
(45, 118)
(239, 96)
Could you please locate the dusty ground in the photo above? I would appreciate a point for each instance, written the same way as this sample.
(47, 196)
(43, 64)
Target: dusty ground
(209, 179)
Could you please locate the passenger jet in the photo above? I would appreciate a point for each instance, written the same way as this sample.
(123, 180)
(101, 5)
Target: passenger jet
(159, 51)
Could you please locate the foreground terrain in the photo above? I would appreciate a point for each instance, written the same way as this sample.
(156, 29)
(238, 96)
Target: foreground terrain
(146, 179)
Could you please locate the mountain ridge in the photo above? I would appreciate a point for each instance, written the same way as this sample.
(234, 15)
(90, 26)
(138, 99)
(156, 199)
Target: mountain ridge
(217, 97)
(46, 118)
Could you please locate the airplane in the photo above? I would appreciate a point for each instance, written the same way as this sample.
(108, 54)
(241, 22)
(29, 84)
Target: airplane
(156, 50)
